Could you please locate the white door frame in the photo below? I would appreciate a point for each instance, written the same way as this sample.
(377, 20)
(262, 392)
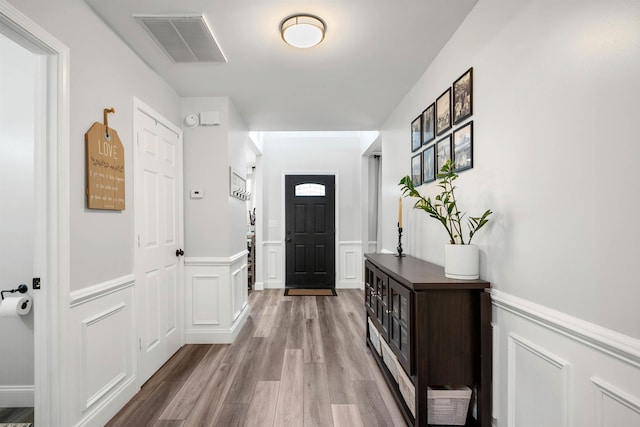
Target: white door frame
(138, 105)
(52, 208)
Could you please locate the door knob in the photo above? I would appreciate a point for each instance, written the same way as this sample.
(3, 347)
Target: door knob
(179, 252)
(288, 239)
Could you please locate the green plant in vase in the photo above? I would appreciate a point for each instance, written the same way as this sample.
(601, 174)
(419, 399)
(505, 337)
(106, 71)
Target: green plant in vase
(444, 208)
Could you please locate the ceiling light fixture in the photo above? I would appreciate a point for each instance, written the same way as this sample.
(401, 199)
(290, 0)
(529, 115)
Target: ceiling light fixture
(302, 31)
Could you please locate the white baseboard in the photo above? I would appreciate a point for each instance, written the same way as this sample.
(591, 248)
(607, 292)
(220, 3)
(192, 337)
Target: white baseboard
(349, 285)
(16, 396)
(104, 411)
(274, 285)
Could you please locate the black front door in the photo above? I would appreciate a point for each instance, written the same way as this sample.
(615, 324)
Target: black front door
(310, 231)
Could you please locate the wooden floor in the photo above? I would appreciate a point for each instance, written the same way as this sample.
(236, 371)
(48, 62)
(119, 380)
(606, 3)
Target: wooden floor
(298, 361)
(16, 415)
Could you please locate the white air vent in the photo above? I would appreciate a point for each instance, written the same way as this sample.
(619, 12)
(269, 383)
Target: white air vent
(184, 38)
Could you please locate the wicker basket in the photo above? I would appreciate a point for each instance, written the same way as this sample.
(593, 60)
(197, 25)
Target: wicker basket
(407, 390)
(389, 359)
(374, 336)
(448, 405)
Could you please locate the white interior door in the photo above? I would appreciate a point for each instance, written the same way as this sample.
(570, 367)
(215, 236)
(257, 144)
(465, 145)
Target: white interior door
(159, 265)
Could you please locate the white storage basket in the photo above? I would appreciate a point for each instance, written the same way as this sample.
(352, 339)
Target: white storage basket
(389, 359)
(448, 405)
(374, 336)
(407, 390)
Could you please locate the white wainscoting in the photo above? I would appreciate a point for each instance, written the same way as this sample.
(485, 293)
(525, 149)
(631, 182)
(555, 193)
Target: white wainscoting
(612, 406)
(216, 298)
(534, 372)
(350, 265)
(273, 264)
(553, 369)
(349, 268)
(103, 350)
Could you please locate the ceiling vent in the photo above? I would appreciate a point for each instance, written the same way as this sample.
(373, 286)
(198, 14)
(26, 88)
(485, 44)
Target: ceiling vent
(184, 38)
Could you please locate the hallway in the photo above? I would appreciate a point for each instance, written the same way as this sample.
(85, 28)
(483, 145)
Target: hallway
(298, 361)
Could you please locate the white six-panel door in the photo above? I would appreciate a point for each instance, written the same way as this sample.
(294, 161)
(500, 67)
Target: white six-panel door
(158, 212)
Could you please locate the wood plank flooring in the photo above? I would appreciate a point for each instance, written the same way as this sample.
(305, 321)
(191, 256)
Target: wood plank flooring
(16, 415)
(299, 361)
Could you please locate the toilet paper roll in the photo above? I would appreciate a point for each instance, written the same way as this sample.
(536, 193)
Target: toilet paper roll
(15, 306)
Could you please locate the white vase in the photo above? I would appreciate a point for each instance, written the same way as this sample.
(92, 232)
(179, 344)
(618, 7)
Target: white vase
(461, 262)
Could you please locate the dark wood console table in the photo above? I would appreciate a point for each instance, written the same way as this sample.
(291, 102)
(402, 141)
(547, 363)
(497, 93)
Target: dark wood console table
(438, 329)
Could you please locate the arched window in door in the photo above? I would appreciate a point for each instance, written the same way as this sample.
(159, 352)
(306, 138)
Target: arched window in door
(310, 189)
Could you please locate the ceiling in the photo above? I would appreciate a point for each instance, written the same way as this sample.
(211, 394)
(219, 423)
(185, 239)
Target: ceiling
(373, 53)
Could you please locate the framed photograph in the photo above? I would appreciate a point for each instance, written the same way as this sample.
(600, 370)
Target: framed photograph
(463, 147)
(463, 97)
(416, 169)
(443, 152)
(429, 164)
(429, 124)
(416, 133)
(443, 112)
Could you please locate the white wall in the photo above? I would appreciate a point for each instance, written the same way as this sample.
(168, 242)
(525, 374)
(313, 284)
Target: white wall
(216, 225)
(294, 153)
(555, 88)
(238, 151)
(206, 168)
(17, 219)
(554, 152)
(104, 73)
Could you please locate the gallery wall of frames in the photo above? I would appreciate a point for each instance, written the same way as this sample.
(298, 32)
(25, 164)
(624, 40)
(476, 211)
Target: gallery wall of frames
(444, 132)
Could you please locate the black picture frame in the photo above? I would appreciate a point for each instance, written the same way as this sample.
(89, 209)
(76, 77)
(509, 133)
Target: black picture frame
(416, 169)
(443, 112)
(429, 124)
(443, 152)
(429, 164)
(463, 147)
(463, 97)
(416, 133)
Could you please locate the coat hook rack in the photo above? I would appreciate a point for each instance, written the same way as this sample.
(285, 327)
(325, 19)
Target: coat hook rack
(106, 120)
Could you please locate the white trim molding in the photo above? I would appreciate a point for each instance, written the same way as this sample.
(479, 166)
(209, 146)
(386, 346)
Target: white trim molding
(214, 261)
(620, 346)
(100, 290)
(16, 396)
(629, 405)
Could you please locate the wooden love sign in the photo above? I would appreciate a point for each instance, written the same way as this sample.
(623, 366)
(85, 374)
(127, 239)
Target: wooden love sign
(105, 168)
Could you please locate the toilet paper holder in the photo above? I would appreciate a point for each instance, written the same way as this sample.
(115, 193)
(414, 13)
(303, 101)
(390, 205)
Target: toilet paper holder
(21, 288)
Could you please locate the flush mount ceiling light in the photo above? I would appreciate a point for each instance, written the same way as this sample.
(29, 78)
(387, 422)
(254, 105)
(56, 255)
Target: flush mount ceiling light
(302, 31)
